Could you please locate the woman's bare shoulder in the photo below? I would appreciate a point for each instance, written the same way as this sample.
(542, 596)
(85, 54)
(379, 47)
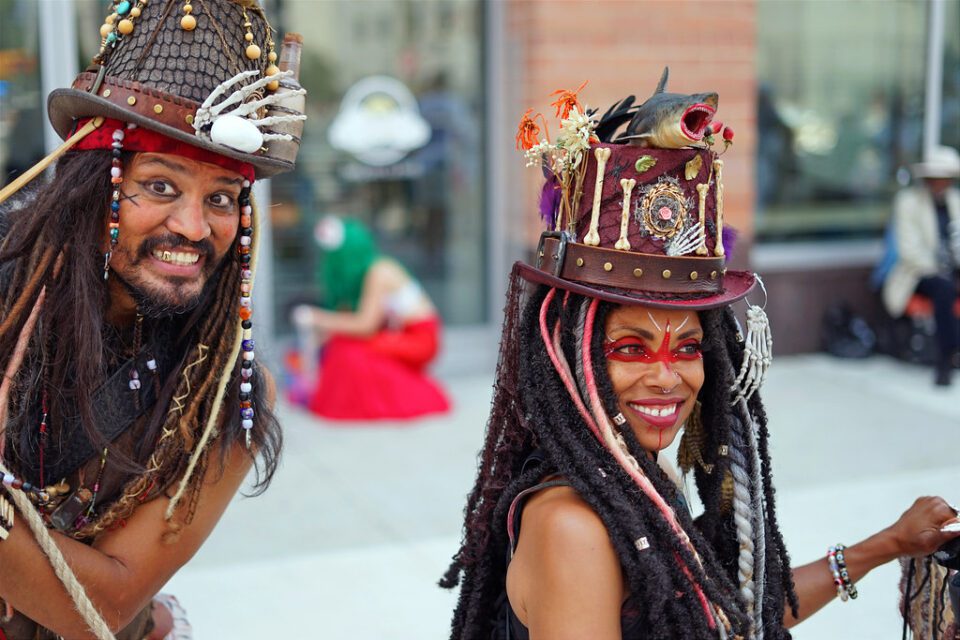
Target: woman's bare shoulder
(559, 516)
(564, 561)
(387, 268)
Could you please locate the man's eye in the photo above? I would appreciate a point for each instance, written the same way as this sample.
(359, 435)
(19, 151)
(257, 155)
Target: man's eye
(160, 188)
(221, 200)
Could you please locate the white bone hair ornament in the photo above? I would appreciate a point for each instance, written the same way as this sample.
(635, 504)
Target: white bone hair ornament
(757, 352)
(239, 128)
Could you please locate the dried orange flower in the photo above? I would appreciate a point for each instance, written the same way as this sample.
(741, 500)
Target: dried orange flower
(529, 131)
(567, 101)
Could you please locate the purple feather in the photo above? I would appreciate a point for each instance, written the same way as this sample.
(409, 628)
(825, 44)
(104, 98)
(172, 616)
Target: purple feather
(729, 240)
(550, 201)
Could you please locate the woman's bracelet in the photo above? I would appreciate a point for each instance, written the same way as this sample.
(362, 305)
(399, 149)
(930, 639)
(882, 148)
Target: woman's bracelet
(841, 577)
(6, 518)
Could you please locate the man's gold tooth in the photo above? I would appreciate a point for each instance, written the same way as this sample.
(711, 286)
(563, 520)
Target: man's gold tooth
(167, 256)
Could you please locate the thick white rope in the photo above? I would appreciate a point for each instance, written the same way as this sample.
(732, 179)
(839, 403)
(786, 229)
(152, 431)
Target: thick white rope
(63, 571)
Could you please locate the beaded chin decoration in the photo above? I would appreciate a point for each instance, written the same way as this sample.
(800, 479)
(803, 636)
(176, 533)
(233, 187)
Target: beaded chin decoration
(246, 310)
(757, 352)
(116, 179)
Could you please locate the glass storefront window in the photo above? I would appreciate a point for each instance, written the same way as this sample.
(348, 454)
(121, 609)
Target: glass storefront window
(21, 116)
(840, 112)
(393, 138)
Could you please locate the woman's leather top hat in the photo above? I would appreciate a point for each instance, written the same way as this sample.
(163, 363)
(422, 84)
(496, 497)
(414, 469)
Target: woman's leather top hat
(635, 217)
(206, 73)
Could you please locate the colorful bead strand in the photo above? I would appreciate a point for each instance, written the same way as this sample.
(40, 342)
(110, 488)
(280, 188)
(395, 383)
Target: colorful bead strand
(118, 24)
(16, 483)
(246, 310)
(116, 179)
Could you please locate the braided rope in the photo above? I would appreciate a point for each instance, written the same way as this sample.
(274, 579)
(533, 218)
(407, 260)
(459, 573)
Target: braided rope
(759, 511)
(63, 571)
(743, 519)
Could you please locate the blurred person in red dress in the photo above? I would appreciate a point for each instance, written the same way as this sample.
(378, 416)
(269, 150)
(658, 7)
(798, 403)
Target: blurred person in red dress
(380, 332)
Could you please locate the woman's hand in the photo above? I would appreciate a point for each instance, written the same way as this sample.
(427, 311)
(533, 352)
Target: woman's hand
(918, 532)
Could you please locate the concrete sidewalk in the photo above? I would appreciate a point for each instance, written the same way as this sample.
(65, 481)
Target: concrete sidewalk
(361, 521)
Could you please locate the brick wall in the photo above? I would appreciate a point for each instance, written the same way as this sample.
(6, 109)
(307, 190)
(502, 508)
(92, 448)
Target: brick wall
(621, 47)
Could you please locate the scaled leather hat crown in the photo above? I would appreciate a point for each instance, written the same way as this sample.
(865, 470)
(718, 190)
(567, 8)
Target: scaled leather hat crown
(635, 217)
(206, 73)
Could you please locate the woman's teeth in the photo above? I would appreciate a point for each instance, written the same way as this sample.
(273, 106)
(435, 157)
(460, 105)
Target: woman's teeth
(176, 257)
(666, 410)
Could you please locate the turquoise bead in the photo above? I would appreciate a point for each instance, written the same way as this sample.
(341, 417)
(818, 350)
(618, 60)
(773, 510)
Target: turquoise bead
(123, 8)
(114, 233)
(111, 37)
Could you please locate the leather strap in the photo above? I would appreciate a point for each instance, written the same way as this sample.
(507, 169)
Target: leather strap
(630, 270)
(159, 106)
(117, 410)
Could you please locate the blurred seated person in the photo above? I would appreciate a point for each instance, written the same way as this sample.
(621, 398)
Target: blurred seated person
(926, 228)
(380, 332)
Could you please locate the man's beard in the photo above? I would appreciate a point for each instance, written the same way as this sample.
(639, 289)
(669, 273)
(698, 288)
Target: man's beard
(166, 304)
(168, 299)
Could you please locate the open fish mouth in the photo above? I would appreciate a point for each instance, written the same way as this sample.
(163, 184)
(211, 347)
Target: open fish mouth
(695, 120)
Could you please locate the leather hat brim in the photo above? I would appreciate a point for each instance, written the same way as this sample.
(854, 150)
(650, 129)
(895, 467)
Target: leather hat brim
(736, 285)
(66, 106)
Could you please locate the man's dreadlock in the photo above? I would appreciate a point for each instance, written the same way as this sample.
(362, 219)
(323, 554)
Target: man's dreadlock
(533, 409)
(52, 238)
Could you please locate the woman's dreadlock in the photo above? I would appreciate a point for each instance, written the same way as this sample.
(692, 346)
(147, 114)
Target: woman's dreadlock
(65, 221)
(533, 409)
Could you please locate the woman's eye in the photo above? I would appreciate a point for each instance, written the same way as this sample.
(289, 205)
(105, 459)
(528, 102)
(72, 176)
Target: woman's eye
(629, 348)
(632, 349)
(690, 349)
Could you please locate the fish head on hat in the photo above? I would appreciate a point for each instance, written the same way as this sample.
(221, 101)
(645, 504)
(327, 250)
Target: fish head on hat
(215, 81)
(630, 223)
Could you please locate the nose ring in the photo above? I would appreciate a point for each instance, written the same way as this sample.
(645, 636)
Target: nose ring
(665, 391)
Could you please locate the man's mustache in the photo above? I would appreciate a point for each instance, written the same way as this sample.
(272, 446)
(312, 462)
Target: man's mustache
(173, 241)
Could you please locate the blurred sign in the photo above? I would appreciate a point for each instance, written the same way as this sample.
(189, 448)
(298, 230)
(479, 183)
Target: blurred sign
(379, 122)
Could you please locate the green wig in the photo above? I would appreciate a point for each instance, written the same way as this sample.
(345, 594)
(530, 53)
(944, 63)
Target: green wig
(343, 266)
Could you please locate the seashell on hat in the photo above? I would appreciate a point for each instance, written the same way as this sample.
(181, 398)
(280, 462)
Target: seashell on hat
(206, 73)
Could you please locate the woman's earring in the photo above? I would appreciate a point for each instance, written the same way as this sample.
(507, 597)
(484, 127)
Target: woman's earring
(692, 443)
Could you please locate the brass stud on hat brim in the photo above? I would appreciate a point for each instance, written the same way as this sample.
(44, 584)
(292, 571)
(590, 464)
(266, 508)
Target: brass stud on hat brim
(579, 262)
(666, 274)
(713, 275)
(693, 275)
(158, 108)
(638, 272)
(132, 100)
(608, 266)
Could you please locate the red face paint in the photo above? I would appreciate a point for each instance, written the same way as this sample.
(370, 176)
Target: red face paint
(634, 349)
